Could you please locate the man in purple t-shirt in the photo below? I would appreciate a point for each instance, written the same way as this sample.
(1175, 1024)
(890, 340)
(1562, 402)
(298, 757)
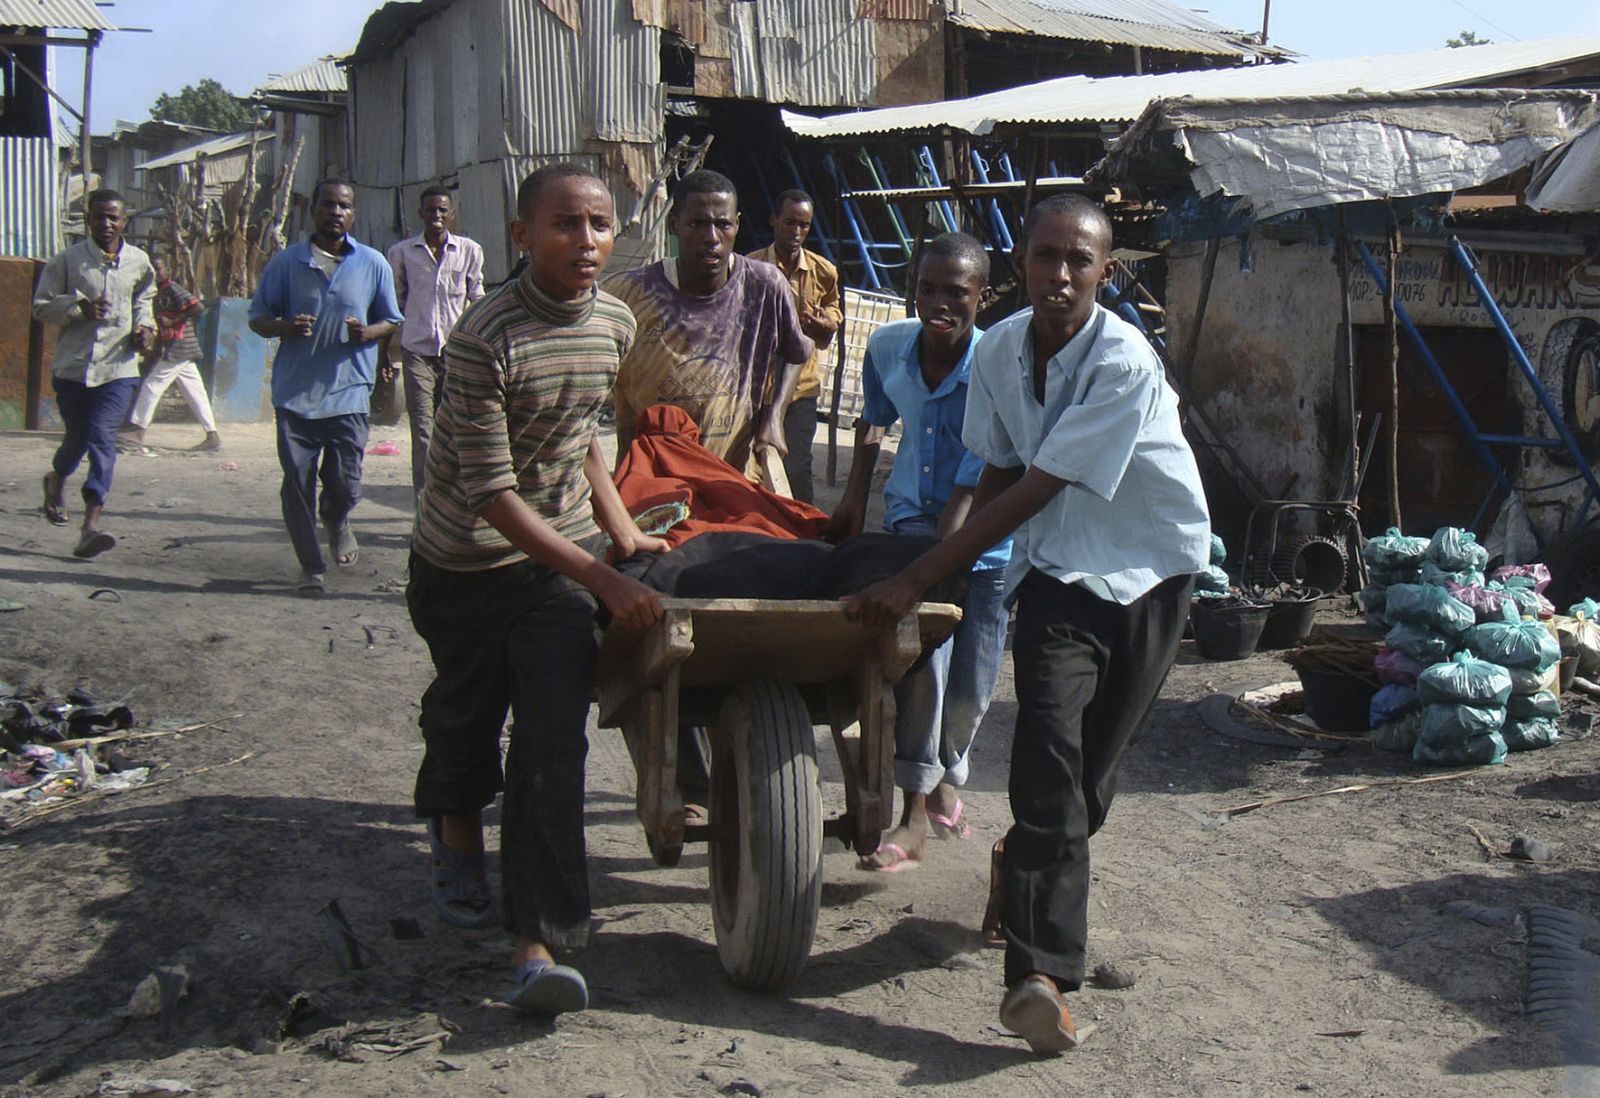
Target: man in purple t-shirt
(718, 333)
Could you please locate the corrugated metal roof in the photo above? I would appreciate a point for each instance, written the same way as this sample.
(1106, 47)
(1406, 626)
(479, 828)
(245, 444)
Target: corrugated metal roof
(215, 147)
(70, 14)
(322, 75)
(30, 217)
(1079, 99)
(1147, 23)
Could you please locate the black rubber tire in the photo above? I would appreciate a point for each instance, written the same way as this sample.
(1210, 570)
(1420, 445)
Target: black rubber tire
(766, 875)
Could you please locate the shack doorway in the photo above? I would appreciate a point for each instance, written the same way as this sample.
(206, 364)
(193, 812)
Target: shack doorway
(1442, 482)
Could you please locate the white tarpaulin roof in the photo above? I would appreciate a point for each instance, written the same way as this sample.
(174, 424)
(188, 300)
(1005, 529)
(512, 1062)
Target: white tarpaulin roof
(1081, 99)
(1569, 179)
(1301, 153)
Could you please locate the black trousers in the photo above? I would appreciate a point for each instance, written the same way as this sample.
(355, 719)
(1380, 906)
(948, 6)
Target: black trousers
(524, 638)
(1087, 672)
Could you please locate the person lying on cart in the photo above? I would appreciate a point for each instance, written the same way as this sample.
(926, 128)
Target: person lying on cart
(507, 575)
(915, 372)
(1087, 464)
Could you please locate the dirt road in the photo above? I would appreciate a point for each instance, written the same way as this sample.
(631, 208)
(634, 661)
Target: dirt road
(1303, 948)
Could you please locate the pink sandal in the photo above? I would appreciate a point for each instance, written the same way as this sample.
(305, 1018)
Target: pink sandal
(902, 860)
(951, 826)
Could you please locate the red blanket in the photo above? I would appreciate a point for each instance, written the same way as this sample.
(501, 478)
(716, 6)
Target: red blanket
(665, 463)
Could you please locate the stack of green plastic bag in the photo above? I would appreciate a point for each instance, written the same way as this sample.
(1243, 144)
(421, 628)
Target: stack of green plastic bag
(1213, 582)
(1427, 622)
(1529, 653)
(1391, 558)
(1454, 556)
(1463, 712)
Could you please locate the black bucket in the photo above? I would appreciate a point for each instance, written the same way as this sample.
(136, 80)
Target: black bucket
(1290, 620)
(1227, 629)
(1338, 703)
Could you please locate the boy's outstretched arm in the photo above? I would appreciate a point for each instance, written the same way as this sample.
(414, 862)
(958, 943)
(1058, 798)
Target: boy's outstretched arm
(996, 514)
(611, 513)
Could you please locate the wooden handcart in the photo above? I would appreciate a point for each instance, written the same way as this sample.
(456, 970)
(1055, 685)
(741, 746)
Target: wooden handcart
(758, 674)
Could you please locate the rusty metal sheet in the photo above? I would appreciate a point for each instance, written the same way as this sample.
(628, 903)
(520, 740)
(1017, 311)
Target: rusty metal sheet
(713, 78)
(910, 63)
(914, 10)
(685, 18)
(718, 30)
(569, 12)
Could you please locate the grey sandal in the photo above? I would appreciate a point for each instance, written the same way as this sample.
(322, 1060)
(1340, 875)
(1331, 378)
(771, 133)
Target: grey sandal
(461, 893)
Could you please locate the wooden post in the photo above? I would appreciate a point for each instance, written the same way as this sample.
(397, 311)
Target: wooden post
(1347, 363)
(85, 152)
(1392, 331)
(1191, 345)
(838, 388)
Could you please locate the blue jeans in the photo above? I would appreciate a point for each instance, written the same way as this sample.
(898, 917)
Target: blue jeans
(308, 449)
(92, 416)
(940, 706)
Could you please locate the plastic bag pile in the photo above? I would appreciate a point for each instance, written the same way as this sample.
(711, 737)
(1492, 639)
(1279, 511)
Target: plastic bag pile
(1213, 582)
(1468, 670)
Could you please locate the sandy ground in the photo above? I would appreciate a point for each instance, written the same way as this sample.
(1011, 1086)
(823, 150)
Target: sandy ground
(1302, 948)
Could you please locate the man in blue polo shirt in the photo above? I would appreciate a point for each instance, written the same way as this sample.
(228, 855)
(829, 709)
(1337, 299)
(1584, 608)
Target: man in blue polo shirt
(328, 301)
(915, 372)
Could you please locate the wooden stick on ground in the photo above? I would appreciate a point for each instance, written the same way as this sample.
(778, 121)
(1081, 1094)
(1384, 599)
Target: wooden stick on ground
(146, 734)
(1270, 802)
(91, 796)
(1483, 840)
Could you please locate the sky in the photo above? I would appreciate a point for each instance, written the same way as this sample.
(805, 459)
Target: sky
(241, 43)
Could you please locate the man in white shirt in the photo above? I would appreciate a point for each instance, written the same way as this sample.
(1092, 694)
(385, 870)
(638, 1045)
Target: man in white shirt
(1086, 461)
(101, 291)
(436, 275)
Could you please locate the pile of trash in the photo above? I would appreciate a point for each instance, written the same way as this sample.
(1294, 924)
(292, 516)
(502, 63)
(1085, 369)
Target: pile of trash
(1469, 667)
(52, 749)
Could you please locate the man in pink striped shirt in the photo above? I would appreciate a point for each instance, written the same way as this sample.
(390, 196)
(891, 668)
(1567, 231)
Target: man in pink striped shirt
(436, 274)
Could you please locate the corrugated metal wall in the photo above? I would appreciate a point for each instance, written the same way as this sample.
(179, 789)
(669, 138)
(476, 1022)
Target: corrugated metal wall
(542, 100)
(810, 53)
(622, 70)
(30, 215)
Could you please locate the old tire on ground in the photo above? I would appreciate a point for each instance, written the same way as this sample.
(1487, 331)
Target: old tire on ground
(766, 805)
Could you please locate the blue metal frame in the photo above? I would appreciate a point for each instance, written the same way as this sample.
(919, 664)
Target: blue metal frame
(930, 170)
(1469, 263)
(997, 220)
(1478, 439)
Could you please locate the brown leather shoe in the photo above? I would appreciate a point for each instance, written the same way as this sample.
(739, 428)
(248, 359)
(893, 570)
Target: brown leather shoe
(1035, 1011)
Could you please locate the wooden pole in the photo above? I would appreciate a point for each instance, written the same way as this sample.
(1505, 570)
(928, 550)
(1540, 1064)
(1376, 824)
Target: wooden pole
(1392, 331)
(1347, 363)
(1191, 345)
(85, 152)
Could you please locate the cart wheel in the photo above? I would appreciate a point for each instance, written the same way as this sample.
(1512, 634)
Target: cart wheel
(766, 873)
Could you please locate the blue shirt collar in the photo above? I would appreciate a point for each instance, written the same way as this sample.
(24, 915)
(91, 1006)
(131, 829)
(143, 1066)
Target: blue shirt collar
(913, 364)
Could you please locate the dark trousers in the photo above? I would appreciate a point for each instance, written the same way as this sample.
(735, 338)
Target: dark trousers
(523, 638)
(91, 415)
(1087, 672)
(799, 431)
(328, 449)
(424, 381)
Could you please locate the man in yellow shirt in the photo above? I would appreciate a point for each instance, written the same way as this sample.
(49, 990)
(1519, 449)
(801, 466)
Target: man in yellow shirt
(815, 283)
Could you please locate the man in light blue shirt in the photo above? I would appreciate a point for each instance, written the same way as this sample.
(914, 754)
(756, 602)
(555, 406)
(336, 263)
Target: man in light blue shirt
(915, 372)
(328, 301)
(1086, 461)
